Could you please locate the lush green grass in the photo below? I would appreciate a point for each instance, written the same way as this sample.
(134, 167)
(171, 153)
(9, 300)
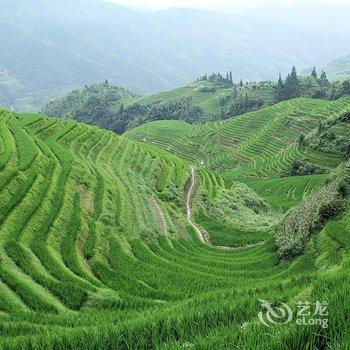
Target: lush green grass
(223, 235)
(97, 252)
(285, 193)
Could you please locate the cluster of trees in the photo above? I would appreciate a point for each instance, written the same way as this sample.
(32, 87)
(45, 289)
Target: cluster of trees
(217, 80)
(176, 109)
(313, 86)
(246, 97)
(299, 168)
(339, 89)
(241, 103)
(94, 104)
(289, 88)
(250, 96)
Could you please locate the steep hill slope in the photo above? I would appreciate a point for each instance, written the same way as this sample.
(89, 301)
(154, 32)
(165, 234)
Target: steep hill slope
(97, 252)
(96, 249)
(54, 46)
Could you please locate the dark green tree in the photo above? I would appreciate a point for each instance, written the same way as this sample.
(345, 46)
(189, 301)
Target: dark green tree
(288, 88)
(121, 110)
(314, 73)
(294, 82)
(302, 141)
(346, 87)
(323, 79)
(280, 87)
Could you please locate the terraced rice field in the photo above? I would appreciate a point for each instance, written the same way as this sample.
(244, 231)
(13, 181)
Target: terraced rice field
(285, 193)
(257, 144)
(97, 252)
(255, 148)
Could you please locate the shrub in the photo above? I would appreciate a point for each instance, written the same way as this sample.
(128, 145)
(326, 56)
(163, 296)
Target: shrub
(294, 231)
(299, 168)
(206, 89)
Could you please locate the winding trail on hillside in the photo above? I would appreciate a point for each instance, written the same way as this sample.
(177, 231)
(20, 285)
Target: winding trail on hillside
(188, 208)
(199, 231)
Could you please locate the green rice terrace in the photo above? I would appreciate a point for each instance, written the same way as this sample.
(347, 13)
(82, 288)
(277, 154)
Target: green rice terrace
(170, 236)
(253, 148)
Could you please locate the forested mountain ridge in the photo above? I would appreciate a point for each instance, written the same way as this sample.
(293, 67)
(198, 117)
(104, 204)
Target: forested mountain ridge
(52, 47)
(98, 102)
(211, 97)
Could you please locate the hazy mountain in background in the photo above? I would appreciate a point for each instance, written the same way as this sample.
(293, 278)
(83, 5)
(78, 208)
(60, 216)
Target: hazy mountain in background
(48, 47)
(339, 68)
(309, 15)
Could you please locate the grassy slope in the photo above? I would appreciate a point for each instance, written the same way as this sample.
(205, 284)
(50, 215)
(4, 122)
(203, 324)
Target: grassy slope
(96, 253)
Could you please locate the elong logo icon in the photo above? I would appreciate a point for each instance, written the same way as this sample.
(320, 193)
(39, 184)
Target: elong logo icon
(275, 315)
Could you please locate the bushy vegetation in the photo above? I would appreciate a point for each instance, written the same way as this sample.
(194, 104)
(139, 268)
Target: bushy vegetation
(300, 168)
(96, 104)
(252, 96)
(175, 109)
(312, 214)
(331, 135)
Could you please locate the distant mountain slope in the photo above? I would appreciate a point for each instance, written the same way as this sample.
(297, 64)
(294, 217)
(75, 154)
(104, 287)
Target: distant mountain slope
(212, 97)
(339, 68)
(54, 46)
(19, 96)
(308, 14)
